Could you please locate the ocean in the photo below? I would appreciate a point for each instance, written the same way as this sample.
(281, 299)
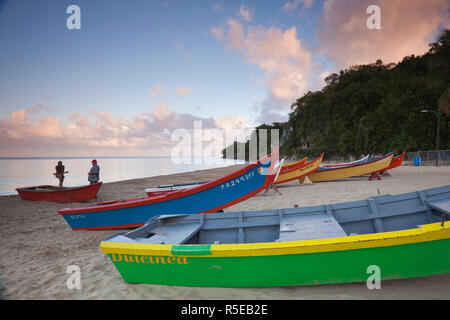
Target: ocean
(25, 172)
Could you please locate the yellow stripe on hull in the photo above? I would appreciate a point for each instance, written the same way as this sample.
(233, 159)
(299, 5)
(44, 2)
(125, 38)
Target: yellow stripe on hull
(293, 164)
(300, 172)
(425, 233)
(353, 171)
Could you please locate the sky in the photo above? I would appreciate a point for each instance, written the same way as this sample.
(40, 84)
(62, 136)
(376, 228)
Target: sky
(139, 75)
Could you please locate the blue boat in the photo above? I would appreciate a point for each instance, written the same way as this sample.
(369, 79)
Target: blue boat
(209, 197)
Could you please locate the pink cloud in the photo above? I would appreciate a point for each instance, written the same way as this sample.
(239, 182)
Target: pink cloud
(158, 91)
(146, 133)
(287, 64)
(291, 6)
(182, 91)
(217, 32)
(407, 27)
(245, 13)
(280, 54)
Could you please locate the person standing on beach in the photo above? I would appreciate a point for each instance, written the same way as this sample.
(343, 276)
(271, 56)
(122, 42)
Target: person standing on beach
(94, 173)
(59, 174)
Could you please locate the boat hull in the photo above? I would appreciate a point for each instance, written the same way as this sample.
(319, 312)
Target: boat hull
(300, 172)
(209, 197)
(328, 174)
(293, 166)
(396, 162)
(401, 254)
(54, 194)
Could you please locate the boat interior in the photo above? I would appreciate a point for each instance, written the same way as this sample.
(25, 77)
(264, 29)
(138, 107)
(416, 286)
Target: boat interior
(45, 188)
(378, 214)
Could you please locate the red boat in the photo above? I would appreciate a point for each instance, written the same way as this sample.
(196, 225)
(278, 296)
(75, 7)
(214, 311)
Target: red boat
(56, 194)
(395, 162)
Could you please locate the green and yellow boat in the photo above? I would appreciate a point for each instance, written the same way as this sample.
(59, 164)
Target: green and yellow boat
(404, 236)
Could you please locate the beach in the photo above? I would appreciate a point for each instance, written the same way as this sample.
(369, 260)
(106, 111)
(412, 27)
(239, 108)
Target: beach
(37, 245)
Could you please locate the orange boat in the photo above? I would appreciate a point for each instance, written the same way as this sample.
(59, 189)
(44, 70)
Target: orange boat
(300, 172)
(292, 166)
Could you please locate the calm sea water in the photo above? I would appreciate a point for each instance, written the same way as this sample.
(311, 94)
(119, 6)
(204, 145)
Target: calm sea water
(25, 172)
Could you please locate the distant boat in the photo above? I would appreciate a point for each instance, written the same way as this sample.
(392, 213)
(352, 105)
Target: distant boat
(396, 162)
(212, 196)
(56, 194)
(359, 169)
(346, 164)
(300, 172)
(401, 236)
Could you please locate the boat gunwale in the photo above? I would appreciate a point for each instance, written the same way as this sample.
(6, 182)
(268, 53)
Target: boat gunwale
(323, 169)
(293, 166)
(57, 190)
(347, 164)
(424, 233)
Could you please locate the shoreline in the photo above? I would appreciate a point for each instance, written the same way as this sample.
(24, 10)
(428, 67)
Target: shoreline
(38, 245)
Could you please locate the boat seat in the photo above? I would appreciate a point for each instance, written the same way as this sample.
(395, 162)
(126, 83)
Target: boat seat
(442, 206)
(310, 226)
(171, 234)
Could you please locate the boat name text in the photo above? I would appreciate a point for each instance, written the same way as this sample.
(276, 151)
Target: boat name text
(147, 259)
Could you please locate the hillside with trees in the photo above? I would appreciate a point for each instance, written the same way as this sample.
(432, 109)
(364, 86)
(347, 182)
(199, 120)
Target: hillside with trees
(374, 108)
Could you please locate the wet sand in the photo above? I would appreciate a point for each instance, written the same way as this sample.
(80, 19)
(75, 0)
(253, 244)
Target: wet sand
(37, 245)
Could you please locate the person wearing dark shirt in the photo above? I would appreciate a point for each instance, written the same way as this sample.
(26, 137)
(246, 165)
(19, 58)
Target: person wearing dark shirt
(59, 174)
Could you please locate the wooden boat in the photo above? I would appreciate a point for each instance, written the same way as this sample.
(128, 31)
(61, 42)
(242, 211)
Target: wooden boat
(212, 196)
(346, 164)
(299, 173)
(359, 169)
(293, 165)
(396, 162)
(165, 189)
(56, 194)
(402, 235)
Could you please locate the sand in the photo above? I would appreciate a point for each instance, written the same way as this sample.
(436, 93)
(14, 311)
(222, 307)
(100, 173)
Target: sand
(37, 245)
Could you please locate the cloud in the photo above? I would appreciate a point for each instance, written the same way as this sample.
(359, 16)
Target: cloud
(217, 7)
(182, 91)
(147, 133)
(292, 6)
(280, 54)
(158, 91)
(232, 123)
(38, 108)
(245, 13)
(186, 53)
(217, 32)
(407, 27)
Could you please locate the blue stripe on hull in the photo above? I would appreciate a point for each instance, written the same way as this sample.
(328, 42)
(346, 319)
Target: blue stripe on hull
(194, 203)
